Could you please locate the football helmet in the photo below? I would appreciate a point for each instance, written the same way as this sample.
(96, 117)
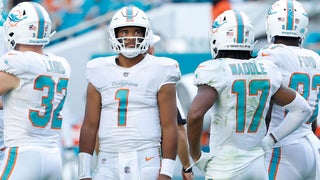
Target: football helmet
(286, 18)
(231, 30)
(130, 16)
(27, 23)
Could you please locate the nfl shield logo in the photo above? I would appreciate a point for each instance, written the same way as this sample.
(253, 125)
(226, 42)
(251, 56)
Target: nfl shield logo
(127, 169)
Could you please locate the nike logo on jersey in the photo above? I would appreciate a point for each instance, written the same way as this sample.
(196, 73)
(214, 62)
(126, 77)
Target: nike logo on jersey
(148, 158)
(264, 54)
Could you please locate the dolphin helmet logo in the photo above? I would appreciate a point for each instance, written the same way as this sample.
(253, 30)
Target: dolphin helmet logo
(16, 17)
(217, 24)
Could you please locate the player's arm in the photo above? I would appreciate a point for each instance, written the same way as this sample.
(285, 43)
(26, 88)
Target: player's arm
(8, 82)
(168, 119)
(183, 148)
(299, 111)
(201, 103)
(88, 131)
(183, 153)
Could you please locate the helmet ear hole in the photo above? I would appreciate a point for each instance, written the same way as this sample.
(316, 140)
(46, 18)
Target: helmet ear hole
(12, 43)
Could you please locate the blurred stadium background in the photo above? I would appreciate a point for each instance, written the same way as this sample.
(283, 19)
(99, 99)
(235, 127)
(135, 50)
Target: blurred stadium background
(183, 26)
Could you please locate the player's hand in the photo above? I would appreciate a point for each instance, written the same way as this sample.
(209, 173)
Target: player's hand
(267, 144)
(202, 162)
(187, 175)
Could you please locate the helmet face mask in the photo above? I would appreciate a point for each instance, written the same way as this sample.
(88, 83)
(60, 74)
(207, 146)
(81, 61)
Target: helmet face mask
(231, 30)
(286, 18)
(27, 23)
(130, 16)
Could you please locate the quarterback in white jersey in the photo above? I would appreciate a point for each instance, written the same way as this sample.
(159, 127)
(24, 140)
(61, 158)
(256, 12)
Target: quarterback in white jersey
(131, 103)
(34, 88)
(125, 122)
(287, 24)
(238, 89)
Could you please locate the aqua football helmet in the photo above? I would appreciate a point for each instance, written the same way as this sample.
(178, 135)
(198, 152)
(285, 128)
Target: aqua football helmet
(130, 16)
(286, 18)
(27, 23)
(231, 30)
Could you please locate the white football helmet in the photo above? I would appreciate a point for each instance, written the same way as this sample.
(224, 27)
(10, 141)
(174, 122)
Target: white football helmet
(27, 23)
(286, 18)
(231, 30)
(130, 16)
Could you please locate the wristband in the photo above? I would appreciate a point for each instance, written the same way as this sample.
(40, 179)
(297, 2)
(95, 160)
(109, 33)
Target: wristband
(274, 139)
(167, 167)
(188, 170)
(84, 165)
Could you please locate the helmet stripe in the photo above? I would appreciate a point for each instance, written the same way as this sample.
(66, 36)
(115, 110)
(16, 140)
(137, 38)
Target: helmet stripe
(240, 27)
(41, 23)
(290, 15)
(129, 14)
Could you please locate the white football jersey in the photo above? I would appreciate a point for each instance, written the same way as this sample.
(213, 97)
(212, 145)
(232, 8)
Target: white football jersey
(130, 114)
(244, 90)
(32, 110)
(300, 70)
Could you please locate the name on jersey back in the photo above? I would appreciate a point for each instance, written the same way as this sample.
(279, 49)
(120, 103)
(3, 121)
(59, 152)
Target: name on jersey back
(54, 67)
(247, 68)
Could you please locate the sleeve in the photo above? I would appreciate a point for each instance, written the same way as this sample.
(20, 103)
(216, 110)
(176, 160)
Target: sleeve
(89, 70)
(11, 64)
(174, 73)
(92, 70)
(211, 73)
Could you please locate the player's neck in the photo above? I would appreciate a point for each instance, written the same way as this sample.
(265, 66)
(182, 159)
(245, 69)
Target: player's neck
(290, 42)
(129, 62)
(23, 47)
